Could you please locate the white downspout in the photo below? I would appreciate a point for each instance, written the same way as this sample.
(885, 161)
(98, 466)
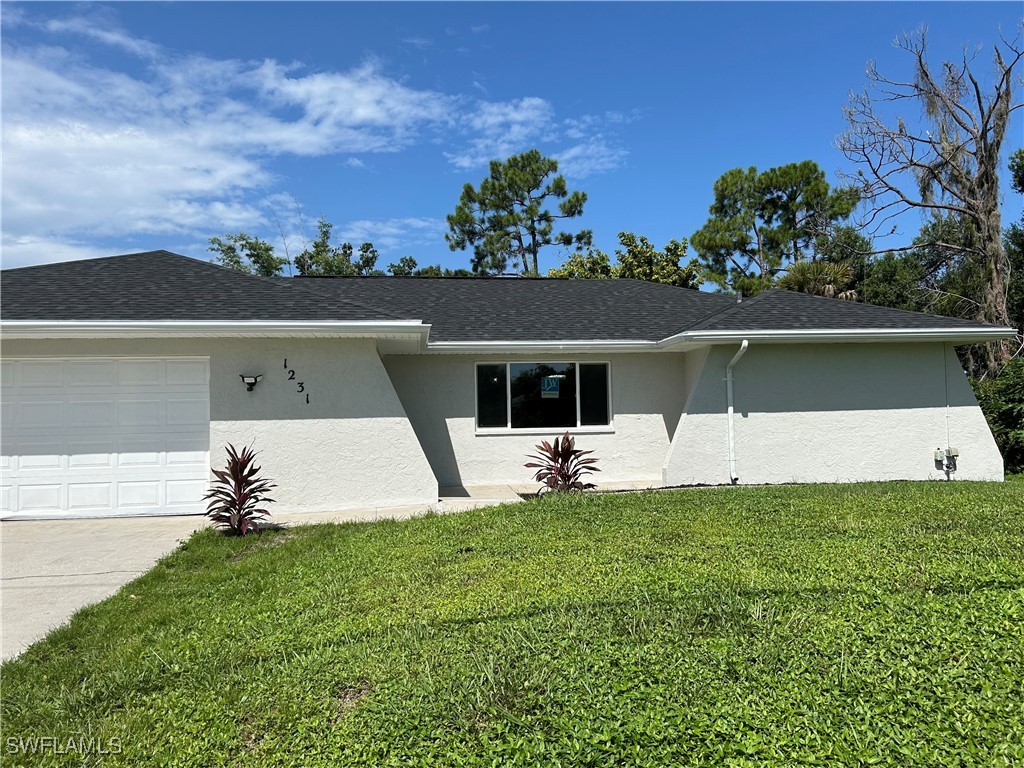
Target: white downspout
(733, 477)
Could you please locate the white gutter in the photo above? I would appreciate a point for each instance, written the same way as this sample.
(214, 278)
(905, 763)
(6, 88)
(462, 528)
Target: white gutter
(363, 328)
(42, 329)
(611, 345)
(695, 338)
(733, 477)
(853, 334)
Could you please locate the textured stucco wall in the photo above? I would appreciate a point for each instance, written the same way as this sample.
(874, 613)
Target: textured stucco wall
(832, 413)
(439, 392)
(350, 447)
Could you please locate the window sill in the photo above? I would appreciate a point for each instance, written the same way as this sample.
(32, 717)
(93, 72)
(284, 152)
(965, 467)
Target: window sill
(551, 432)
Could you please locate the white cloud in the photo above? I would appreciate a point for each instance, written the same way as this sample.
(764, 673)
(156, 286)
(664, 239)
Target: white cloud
(420, 43)
(392, 234)
(595, 155)
(586, 125)
(93, 152)
(504, 128)
(26, 250)
(181, 145)
(103, 31)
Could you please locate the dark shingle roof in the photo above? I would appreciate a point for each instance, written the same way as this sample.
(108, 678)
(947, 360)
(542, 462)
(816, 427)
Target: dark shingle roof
(778, 310)
(159, 285)
(538, 309)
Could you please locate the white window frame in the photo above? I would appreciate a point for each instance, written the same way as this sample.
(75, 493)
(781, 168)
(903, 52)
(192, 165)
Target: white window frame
(508, 429)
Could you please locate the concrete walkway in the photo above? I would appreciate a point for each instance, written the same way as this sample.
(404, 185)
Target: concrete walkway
(49, 569)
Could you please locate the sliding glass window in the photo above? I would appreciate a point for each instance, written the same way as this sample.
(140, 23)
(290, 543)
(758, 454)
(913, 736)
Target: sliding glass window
(542, 395)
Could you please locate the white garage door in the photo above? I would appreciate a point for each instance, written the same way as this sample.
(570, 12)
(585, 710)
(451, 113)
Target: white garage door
(89, 437)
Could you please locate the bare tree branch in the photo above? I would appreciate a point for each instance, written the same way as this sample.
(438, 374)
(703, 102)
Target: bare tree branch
(954, 157)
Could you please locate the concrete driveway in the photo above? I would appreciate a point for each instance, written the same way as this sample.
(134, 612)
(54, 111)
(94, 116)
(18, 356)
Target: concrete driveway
(52, 568)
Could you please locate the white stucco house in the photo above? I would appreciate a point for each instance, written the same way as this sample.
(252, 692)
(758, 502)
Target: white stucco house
(123, 380)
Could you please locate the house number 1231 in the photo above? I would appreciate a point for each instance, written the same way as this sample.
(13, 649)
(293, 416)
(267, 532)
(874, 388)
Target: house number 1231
(301, 384)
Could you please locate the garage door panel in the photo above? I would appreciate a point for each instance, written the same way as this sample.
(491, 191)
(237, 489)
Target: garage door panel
(91, 455)
(139, 493)
(39, 497)
(91, 496)
(182, 493)
(92, 373)
(187, 373)
(140, 453)
(148, 373)
(105, 436)
(91, 413)
(39, 456)
(140, 413)
(41, 373)
(39, 414)
(188, 412)
(186, 452)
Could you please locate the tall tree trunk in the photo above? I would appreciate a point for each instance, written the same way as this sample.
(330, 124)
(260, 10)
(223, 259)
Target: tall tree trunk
(994, 308)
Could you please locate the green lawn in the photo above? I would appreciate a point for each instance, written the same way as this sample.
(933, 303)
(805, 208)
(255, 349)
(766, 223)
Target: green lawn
(802, 625)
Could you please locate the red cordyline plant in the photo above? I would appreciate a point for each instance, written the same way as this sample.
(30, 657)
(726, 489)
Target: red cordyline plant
(237, 493)
(561, 465)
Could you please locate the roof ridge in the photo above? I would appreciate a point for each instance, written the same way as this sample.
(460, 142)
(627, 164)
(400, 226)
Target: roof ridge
(97, 258)
(321, 295)
(273, 280)
(720, 313)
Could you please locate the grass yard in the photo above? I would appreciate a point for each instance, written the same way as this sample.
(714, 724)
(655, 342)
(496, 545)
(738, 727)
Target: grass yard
(805, 625)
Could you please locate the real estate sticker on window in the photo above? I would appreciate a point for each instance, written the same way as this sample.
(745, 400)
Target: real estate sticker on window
(550, 386)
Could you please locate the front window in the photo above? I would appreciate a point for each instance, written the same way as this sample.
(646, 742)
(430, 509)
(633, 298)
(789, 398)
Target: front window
(542, 395)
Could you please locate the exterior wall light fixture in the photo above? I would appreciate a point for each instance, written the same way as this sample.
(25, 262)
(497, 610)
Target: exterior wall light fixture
(250, 381)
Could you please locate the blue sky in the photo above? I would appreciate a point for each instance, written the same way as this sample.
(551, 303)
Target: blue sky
(135, 126)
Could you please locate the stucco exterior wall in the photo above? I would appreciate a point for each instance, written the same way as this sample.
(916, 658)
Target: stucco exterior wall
(350, 447)
(439, 394)
(832, 413)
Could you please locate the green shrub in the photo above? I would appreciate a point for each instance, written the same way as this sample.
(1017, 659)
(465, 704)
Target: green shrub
(1002, 401)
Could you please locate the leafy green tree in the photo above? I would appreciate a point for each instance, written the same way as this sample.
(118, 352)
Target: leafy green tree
(639, 260)
(589, 264)
(248, 254)
(1013, 242)
(407, 267)
(507, 219)
(940, 154)
(320, 258)
(894, 280)
(1017, 171)
(1002, 401)
(404, 267)
(951, 282)
(761, 222)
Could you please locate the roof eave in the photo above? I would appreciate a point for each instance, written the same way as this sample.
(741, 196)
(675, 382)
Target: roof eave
(594, 346)
(953, 335)
(152, 329)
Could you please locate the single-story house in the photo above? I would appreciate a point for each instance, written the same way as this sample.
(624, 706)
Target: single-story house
(125, 377)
